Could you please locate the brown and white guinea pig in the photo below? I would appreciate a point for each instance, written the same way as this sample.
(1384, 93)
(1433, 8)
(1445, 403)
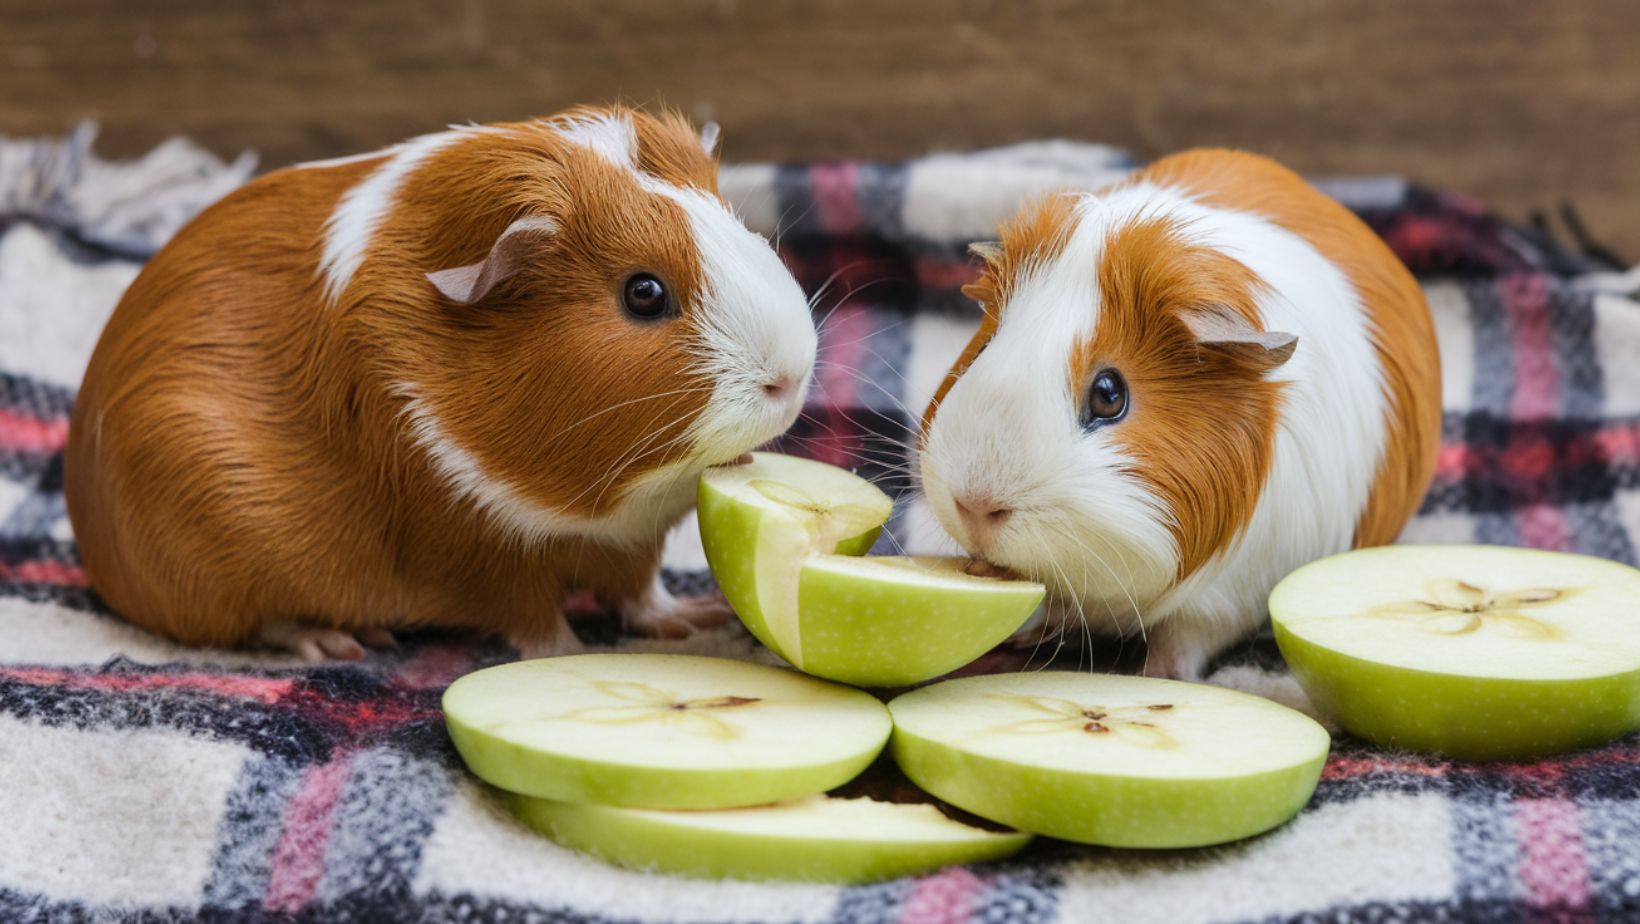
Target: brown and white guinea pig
(1184, 386)
(440, 384)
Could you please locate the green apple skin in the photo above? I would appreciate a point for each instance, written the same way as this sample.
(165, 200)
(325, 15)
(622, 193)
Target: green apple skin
(552, 776)
(737, 537)
(1457, 716)
(1107, 810)
(643, 841)
(879, 633)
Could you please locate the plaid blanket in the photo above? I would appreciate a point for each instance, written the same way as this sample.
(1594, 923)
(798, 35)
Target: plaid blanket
(140, 780)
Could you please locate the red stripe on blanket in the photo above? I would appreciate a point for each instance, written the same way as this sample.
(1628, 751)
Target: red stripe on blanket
(947, 897)
(22, 433)
(1553, 867)
(1344, 767)
(945, 274)
(44, 572)
(299, 856)
(836, 201)
(1620, 444)
(1536, 397)
(262, 689)
(435, 666)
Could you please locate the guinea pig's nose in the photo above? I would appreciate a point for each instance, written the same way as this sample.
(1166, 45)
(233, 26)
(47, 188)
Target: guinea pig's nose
(780, 387)
(982, 518)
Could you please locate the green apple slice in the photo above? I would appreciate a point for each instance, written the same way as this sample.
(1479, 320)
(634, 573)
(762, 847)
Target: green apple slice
(1110, 759)
(818, 839)
(1474, 652)
(661, 731)
(760, 520)
(888, 621)
(785, 539)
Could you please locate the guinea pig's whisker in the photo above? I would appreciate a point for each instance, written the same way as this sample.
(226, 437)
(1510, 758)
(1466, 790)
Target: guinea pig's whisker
(631, 401)
(631, 457)
(872, 335)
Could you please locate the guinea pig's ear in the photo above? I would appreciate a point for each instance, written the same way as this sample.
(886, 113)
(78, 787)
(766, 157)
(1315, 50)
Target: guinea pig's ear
(989, 251)
(709, 136)
(1227, 331)
(467, 284)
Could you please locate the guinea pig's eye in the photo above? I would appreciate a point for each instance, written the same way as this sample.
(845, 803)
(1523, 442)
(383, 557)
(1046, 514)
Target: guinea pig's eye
(1107, 399)
(645, 297)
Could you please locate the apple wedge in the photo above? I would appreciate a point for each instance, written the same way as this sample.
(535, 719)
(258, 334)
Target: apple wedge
(1110, 759)
(1474, 652)
(783, 537)
(760, 521)
(891, 621)
(661, 731)
(817, 839)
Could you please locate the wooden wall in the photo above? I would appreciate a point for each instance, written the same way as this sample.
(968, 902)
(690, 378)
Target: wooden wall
(1523, 103)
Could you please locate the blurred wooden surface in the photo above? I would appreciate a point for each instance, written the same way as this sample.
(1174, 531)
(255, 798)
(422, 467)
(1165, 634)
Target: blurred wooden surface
(1523, 102)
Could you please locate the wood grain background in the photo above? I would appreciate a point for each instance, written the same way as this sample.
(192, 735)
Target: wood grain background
(1525, 104)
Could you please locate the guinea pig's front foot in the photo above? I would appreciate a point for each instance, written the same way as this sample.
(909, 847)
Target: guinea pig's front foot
(1181, 646)
(656, 613)
(316, 644)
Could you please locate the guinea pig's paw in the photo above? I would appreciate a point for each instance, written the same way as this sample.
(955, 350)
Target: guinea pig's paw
(658, 614)
(564, 643)
(317, 645)
(1051, 622)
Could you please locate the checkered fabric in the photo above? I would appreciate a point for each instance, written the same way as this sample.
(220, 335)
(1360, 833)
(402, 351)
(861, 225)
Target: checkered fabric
(144, 781)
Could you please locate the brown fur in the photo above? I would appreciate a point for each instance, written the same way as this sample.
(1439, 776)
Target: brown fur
(238, 452)
(1404, 334)
(1198, 426)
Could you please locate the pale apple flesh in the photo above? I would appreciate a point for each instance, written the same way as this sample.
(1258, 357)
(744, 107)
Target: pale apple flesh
(1110, 759)
(661, 731)
(818, 839)
(784, 538)
(759, 522)
(1473, 652)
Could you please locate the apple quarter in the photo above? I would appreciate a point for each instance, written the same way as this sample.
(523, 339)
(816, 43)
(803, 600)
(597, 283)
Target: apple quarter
(785, 538)
(661, 731)
(1474, 652)
(1110, 759)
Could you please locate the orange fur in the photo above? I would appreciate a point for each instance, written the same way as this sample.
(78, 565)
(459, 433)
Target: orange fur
(238, 452)
(1404, 334)
(1199, 426)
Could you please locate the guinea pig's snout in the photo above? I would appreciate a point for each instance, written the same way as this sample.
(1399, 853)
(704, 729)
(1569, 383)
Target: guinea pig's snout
(780, 387)
(982, 519)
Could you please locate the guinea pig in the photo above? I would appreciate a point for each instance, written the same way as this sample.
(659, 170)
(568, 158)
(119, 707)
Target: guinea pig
(438, 385)
(1184, 386)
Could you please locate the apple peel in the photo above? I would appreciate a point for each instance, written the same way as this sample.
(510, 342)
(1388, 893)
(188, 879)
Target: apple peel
(1473, 652)
(661, 731)
(1110, 759)
(817, 839)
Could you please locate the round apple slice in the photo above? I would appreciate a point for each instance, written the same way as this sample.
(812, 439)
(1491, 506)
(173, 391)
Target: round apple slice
(760, 520)
(818, 839)
(1110, 759)
(888, 621)
(661, 731)
(1475, 652)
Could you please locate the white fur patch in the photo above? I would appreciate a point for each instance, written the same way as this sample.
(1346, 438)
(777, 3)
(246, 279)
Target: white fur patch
(651, 504)
(755, 328)
(353, 224)
(611, 136)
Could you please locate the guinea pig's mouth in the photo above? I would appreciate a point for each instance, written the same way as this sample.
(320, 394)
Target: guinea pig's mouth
(981, 567)
(744, 458)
